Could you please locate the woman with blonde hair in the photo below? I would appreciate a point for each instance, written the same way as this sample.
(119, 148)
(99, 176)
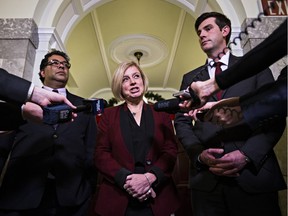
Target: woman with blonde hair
(136, 152)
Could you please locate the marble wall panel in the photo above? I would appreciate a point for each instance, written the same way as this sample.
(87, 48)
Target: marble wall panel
(18, 44)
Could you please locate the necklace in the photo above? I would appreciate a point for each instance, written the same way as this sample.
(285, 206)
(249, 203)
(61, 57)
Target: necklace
(135, 112)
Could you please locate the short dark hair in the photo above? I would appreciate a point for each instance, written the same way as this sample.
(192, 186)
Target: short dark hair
(220, 19)
(44, 61)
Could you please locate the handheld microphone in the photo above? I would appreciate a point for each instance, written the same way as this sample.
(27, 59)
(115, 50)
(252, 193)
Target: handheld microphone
(94, 106)
(60, 113)
(172, 105)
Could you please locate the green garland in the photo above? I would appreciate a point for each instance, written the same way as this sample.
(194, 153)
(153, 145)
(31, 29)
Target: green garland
(154, 97)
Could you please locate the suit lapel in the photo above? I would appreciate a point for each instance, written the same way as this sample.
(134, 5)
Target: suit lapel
(201, 74)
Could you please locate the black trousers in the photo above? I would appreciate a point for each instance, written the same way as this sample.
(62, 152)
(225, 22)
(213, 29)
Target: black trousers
(49, 206)
(228, 199)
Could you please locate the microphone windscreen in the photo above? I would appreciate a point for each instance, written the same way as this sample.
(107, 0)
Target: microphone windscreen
(170, 106)
(96, 105)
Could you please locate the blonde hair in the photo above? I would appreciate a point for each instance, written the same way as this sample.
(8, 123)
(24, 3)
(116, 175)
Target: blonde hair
(117, 79)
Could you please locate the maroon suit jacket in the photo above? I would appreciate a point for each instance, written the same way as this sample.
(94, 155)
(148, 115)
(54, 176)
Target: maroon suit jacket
(114, 161)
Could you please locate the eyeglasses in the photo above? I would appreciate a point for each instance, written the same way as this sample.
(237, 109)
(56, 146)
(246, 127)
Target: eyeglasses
(57, 63)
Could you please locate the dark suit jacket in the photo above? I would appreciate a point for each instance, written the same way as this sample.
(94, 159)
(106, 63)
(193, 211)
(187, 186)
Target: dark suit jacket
(15, 90)
(114, 161)
(263, 173)
(260, 108)
(66, 151)
(11, 116)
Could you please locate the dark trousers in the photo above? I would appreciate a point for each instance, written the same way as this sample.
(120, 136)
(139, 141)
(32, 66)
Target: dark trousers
(228, 199)
(49, 206)
(144, 211)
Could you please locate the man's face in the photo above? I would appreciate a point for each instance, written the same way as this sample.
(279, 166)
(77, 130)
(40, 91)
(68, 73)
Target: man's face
(56, 72)
(211, 37)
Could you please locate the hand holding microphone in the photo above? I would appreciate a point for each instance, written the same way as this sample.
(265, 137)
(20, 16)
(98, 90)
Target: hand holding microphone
(60, 113)
(186, 97)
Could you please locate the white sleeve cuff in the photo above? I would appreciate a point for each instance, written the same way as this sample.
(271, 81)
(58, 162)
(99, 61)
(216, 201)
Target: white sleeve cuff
(30, 92)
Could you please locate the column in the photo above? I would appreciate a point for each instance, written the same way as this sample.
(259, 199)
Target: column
(18, 44)
(257, 34)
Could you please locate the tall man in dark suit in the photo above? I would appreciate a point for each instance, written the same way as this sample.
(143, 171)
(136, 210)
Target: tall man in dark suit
(233, 171)
(257, 107)
(51, 170)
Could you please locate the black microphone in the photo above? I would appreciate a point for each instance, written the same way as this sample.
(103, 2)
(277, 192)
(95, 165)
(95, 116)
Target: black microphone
(94, 106)
(172, 105)
(60, 113)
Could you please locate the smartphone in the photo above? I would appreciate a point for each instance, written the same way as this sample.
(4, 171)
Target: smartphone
(184, 93)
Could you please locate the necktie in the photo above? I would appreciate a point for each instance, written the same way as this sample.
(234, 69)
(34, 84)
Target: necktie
(55, 90)
(218, 70)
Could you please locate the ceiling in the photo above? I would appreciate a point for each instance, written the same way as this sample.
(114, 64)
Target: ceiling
(114, 31)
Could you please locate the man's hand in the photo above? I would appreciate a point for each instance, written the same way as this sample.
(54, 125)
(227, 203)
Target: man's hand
(229, 165)
(32, 112)
(209, 156)
(44, 97)
(205, 89)
(194, 113)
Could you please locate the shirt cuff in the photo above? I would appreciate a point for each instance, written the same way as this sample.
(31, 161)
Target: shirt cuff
(199, 160)
(30, 92)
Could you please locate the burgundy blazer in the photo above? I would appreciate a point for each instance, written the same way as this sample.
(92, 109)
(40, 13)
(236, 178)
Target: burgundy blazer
(114, 161)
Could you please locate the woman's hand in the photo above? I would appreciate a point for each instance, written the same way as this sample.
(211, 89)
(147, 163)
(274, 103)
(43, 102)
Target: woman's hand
(139, 186)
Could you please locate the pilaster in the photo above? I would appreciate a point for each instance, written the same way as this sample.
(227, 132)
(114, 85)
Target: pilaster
(262, 29)
(18, 44)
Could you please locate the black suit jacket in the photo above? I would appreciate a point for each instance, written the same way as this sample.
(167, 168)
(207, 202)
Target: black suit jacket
(14, 90)
(66, 151)
(260, 108)
(11, 116)
(263, 173)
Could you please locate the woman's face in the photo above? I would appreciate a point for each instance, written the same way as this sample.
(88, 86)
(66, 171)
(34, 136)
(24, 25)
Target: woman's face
(132, 84)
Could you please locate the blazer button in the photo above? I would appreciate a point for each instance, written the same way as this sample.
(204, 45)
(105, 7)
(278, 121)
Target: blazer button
(148, 162)
(55, 136)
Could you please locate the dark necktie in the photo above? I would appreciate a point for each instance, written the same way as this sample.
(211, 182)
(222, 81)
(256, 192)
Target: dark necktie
(55, 90)
(218, 70)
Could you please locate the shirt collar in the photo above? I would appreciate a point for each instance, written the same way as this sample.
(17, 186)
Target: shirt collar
(224, 59)
(61, 91)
